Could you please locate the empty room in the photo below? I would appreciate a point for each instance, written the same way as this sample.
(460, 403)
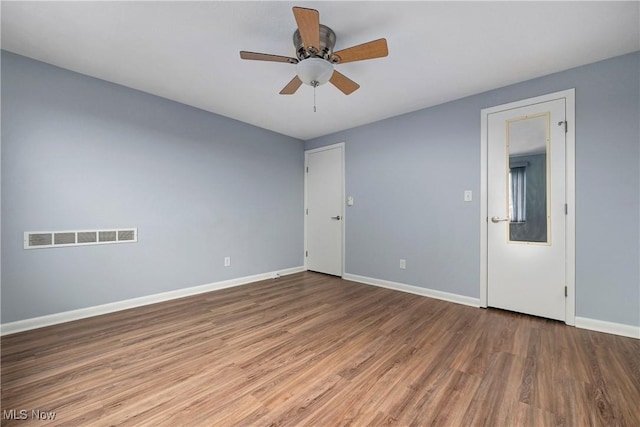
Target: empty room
(326, 213)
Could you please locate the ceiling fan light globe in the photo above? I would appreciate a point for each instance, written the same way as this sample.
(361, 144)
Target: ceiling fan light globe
(314, 71)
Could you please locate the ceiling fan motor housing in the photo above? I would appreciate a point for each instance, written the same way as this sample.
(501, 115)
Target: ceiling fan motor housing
(327, 42)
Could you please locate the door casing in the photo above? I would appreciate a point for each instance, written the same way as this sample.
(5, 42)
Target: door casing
(341, 147)
(569, 96)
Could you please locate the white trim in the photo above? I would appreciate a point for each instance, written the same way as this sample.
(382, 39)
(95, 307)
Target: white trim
(417, 290)
(570, 196)
(82, 313)
(341, 146)
(484, 217)
(608, 327)
(580, 322)
(570, 193)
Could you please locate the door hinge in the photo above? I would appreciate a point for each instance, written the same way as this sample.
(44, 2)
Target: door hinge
(307, 211)
(307, 169)
(566, 209)
(566, 125)
(566, 292)
(306, 253)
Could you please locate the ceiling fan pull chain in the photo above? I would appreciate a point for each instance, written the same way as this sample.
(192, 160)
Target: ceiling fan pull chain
(314, 96)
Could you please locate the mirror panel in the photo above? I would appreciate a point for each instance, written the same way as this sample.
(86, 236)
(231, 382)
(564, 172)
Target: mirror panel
(528, 179)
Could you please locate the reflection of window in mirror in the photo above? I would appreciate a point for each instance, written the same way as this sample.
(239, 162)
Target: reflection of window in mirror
(518, 193)
(527, 139)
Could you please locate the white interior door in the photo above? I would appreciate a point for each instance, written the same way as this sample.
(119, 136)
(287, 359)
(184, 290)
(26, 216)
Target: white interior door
(325, 209)
(526, 239)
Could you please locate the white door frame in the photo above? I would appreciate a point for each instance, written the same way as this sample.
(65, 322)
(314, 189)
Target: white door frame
(339, 145)
(569, 96)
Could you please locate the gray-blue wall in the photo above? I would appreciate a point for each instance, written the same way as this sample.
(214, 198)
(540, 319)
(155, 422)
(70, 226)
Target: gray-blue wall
(81, 153)
(407, 175)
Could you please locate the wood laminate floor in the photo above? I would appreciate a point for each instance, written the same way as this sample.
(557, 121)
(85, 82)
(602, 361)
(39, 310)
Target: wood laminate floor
(310, 349)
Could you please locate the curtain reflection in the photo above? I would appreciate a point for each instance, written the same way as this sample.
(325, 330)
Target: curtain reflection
(517, 196)
(527, 169)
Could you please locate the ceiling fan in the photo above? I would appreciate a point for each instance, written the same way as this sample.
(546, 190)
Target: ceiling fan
(315, 60)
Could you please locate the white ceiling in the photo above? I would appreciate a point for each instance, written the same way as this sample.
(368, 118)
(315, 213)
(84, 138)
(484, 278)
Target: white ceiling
(439, 51)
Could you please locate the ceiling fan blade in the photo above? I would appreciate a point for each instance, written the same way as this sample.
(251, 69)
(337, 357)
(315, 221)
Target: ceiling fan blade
(291, 87)
(266, 57)
(373, 49)
(345, 84)
(308, 21)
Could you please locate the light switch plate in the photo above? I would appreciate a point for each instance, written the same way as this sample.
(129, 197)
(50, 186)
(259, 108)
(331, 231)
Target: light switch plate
(468, 195)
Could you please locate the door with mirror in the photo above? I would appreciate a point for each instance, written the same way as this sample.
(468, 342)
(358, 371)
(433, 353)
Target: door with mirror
(526, 208)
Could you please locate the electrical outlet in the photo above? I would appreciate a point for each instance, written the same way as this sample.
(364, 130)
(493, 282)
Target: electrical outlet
(403, 264)
(227, 261)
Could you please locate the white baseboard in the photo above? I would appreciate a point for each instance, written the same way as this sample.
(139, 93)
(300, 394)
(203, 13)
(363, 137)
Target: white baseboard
(68, 316)
(608, 327)
(425, 292)
(581, 322)
(82, 313)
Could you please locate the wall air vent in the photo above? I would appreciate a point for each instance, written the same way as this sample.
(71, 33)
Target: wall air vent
(56, 239)
(64, 238)
(87, 236)
(126, 235)
(38, 239)
(107, 236)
